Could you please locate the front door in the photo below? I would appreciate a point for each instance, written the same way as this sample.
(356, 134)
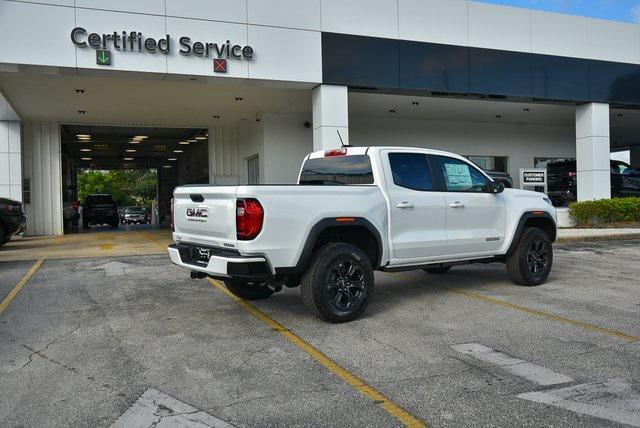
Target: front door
(475, 218)
(417, 208)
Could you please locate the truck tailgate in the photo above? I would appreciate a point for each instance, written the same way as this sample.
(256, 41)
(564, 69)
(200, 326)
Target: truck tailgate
(206, 215)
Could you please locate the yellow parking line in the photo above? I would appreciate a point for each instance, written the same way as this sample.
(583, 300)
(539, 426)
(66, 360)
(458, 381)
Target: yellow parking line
(23, 281)
(153, 239)
(358, 384)
(541, 314)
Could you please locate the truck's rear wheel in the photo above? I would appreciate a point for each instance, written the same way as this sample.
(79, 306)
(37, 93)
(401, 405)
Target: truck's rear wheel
(338, 284)
(531, 261)
(248, 290)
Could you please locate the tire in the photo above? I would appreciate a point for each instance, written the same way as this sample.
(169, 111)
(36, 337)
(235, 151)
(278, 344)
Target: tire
(3, 239)
(437, 269)
(248, 290)
(532, 259)
(329, 291)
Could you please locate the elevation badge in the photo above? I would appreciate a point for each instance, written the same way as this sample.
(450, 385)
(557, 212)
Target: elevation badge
(220, 65)
(103, 57)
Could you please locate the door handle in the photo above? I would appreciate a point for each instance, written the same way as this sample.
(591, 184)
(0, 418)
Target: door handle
(456, 204)
(404, 205)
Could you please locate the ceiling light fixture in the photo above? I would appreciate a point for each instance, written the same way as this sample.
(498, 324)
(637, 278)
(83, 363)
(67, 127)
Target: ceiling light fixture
(85, 150)
(192, 141)
(199, 137)
(86, 159)
(83, 135)
(178, 151)
(184, 143)
(172, 159)
(134, 142)
(131, 150)
(128, 159)
(141, 137)
(166, 166)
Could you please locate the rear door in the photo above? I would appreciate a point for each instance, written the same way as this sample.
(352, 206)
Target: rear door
(206, 215)
(475, 218)
(417, 208)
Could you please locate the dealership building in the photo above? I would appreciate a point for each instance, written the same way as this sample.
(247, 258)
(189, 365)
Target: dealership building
(239, 91)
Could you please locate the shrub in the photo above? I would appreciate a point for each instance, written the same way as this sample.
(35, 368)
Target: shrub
(605, 211)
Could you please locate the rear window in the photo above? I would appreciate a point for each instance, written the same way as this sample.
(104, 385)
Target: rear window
(355, 169)
(561, 167)
(99, 200)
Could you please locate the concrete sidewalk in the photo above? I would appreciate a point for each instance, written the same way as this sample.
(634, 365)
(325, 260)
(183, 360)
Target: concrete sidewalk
(572, 234)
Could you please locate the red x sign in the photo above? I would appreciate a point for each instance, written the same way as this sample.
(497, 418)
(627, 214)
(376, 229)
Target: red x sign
(220, 65)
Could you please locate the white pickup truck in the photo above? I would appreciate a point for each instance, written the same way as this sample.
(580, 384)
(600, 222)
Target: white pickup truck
(353, 211)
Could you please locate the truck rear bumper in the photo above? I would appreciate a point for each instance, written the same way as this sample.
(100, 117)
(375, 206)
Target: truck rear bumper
(221, 264)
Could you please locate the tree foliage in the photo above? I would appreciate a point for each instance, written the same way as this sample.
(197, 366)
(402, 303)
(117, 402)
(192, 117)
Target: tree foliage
(129, 187)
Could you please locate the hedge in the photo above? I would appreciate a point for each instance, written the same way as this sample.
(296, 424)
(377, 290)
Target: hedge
(605, 211)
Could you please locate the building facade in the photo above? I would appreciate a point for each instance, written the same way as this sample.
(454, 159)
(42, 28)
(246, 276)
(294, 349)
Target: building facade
(271, 80)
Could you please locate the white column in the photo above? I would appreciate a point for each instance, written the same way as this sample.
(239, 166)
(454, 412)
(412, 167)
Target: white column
(43, 170)
(330, 116)
(223, 155)
(592, 151)
(10, 160)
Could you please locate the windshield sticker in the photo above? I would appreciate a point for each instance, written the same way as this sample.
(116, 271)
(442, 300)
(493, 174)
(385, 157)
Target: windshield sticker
(458, 175)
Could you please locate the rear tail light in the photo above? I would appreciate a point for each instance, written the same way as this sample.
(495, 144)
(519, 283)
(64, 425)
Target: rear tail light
(74, 205)
(573, 174)
(249, 216)
(335, 152)
(173, 222)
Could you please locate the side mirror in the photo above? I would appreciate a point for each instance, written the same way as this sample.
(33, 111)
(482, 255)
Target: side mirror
(496, 187)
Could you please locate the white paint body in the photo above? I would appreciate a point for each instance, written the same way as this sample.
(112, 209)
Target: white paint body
(435, 229)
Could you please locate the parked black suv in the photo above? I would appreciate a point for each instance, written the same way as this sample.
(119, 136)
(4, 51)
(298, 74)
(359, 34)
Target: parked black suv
(12, 219)
(562, 178)
(100, 209)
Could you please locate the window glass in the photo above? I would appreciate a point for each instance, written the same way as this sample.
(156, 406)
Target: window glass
(459, 176)
(618, 167)
(411, 170)
(354, 169)
(490, 163)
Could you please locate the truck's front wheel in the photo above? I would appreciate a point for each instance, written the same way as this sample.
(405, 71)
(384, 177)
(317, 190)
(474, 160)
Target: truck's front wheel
(248, 290)
(338, 284)
(531, 261)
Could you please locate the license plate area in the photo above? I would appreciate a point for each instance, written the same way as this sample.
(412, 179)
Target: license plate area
(201, 255)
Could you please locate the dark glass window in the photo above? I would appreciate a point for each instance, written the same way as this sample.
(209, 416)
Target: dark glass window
(355, 169)
(459, 176)
(99, 200)
(411, 170)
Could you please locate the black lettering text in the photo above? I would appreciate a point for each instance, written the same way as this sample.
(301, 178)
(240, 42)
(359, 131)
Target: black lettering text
(186, 47)
(74, 36)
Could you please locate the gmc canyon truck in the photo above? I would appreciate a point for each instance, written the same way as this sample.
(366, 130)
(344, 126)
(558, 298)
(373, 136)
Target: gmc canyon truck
(353, 211)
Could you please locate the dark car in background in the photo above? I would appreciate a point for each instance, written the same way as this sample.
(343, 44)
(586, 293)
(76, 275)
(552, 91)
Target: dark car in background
(501, 177)
(563, 181)
(100, 209)
(12, 219)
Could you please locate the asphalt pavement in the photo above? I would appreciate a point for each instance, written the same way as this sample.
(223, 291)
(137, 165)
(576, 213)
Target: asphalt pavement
(98, 341)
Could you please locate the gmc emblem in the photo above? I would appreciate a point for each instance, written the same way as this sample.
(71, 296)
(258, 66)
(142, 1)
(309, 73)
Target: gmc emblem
(197, 213)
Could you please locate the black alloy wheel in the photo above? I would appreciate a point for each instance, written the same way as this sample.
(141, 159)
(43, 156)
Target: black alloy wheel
(537, 256)
(345, 284)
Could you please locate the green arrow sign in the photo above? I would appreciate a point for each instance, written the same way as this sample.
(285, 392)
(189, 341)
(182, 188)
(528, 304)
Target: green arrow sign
(103, 57)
